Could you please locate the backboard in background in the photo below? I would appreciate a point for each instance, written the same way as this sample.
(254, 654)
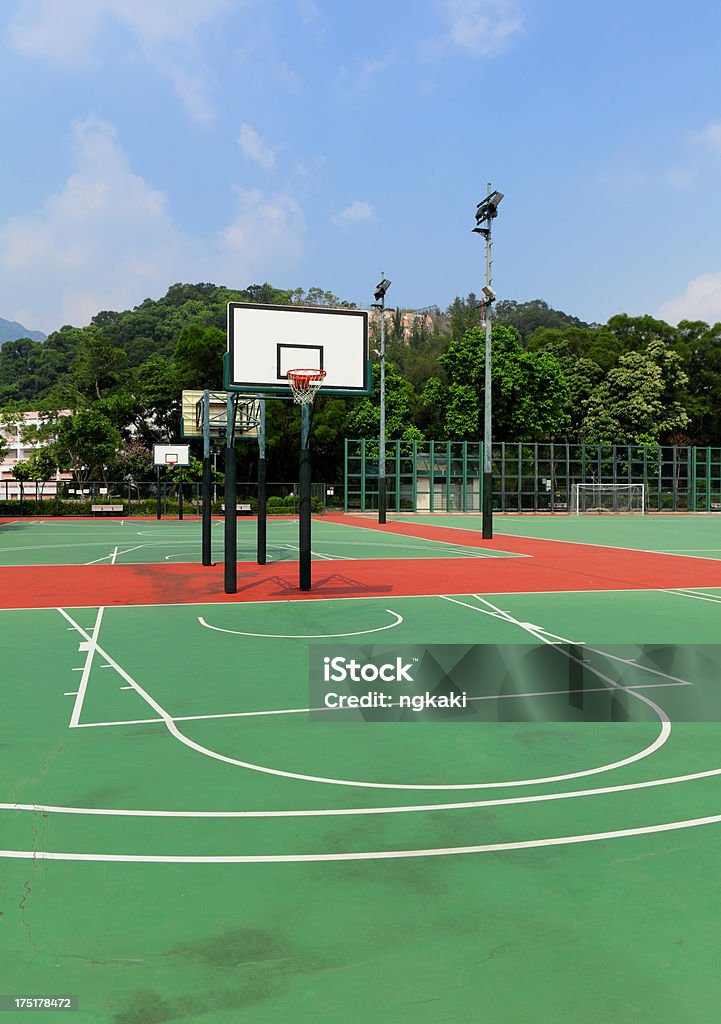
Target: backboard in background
(171, 455)
(265, 342)
(246, 419)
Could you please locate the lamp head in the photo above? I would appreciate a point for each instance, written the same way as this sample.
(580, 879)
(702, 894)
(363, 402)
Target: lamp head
(488, 208)
(381, 289)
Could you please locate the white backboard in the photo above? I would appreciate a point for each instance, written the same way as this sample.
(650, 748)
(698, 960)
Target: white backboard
(264, 342)
(167, 454)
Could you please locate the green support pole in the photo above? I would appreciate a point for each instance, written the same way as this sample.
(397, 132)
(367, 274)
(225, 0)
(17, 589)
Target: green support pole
(157, 477)
(398, 477)
(363, 474)
(231, 511)
(304, 488)
(262, 502)
(415, 476)
(432, 478)
(206, 526)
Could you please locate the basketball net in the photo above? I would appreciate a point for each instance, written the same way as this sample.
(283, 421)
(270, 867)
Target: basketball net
(304, 384)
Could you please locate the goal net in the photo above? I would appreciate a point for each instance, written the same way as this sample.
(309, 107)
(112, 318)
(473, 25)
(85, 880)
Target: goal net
(614, 498)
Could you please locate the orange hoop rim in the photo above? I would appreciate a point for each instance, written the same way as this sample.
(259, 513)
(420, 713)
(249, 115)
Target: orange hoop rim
(305, 377)
(304, 383)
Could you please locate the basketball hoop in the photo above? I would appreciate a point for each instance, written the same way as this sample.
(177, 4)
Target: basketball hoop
(304, 384)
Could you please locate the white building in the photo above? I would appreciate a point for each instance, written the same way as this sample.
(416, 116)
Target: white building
(12, 427)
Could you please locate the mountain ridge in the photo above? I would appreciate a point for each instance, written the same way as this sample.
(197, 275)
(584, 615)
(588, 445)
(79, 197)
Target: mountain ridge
(11, 330)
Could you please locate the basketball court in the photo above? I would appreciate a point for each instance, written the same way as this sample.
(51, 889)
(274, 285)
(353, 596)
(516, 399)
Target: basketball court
(181, 840)
(190, 834)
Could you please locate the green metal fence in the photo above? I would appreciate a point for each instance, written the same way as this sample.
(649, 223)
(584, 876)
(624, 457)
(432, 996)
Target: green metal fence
(446, 476)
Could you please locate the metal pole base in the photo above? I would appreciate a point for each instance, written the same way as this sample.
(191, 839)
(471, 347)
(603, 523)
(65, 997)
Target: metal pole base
(231, 516)
(487, 506)
(382, 499)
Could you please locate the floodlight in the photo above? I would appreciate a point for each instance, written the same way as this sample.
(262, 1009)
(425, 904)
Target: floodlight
(381, 289)
(488, 208)
(489, 293)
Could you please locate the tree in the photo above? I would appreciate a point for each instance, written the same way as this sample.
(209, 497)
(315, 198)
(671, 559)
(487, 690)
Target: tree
(400, 401)
(530, 392)
(462, 315)
(86, 443)
(22, 473)
(99, 369)
(639, 399)
(43, 465)
(199, 357)
(528, 317)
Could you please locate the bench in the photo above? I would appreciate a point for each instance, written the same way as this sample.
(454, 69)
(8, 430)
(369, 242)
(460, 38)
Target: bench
(110, 510)
(245, 509)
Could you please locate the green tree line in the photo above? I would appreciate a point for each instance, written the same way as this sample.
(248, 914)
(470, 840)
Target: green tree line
(632, 380)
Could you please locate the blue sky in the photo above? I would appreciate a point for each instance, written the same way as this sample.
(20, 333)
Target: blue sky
(310, 142)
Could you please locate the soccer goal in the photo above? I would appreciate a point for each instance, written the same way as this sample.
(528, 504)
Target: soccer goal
(613, 498)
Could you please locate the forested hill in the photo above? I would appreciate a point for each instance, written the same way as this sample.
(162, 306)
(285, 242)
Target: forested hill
(633, 380)
(10, 330)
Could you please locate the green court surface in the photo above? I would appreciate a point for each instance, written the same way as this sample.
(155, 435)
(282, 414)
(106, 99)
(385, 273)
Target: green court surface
(239, 862)
(119, 542)
(181, 841)
(694, 535)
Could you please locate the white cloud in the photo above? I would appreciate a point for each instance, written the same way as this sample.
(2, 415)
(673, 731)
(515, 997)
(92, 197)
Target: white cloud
(355, 213)
(254, 147)
(711, 136)
(106, 240)
(368, 71)
(68, 33)
(700, 301)
(266, 232)
(480, 27)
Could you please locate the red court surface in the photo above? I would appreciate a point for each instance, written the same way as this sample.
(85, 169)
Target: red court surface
(550, 566)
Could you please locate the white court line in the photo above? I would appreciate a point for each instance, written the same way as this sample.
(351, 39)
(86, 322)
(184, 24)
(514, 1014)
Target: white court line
(480, 552)
(502, 594)
(91, 639)
(265, 770)
(114, 554)
(543, 635)
(551, 540)
(332, 812)
(301, 858)
(306, 636)
(305, 711)
(699, 597)
(318, 554)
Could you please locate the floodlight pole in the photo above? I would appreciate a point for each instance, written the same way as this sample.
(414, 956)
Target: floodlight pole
(485, 213)
(380, 294)
(487, 526)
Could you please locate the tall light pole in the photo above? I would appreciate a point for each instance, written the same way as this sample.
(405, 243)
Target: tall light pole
(380, 304)
(486, 211)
